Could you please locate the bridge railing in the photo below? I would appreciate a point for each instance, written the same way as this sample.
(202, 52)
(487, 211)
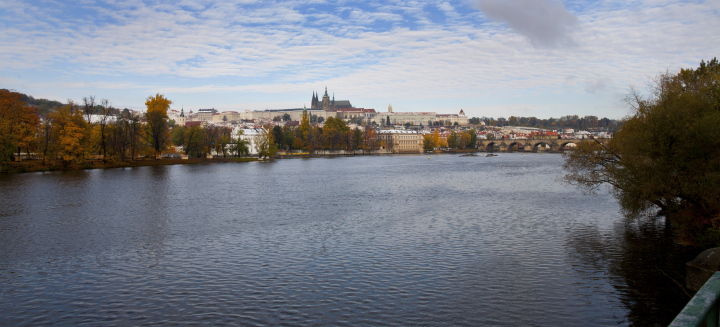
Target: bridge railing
(703, 308)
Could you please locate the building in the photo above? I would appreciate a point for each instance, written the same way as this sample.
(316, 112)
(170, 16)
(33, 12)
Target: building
(355, 114)
(205, 115)
(401, 141)
(425, 118)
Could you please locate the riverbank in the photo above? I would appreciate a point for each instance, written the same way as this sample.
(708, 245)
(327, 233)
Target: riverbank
(28, 166)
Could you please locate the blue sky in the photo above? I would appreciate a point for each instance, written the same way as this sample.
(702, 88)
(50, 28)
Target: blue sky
(499, 58)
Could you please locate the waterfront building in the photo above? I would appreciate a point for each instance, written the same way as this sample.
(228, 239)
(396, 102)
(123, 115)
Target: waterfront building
(400, 141)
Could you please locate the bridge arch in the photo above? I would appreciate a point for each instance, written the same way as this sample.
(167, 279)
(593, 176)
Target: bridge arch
(544, 144)
(515, 146)
(492, 147)
(563, 145)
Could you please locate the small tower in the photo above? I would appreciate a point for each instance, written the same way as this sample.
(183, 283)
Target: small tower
(390, 108)
(181, 120)
(462, 113)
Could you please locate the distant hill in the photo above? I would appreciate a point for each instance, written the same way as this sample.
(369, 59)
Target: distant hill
(44, 105)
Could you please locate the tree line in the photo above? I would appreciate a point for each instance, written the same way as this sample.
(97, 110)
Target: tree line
(69, 134)
(570, 121)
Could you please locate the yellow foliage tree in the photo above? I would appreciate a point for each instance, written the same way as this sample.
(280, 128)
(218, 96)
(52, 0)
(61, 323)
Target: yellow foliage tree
(157, 108)
(71, 133)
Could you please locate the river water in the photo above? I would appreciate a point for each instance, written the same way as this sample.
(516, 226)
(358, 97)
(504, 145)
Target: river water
(383, 240)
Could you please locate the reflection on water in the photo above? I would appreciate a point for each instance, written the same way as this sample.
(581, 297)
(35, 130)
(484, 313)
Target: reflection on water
(648, 267)
(395, 240)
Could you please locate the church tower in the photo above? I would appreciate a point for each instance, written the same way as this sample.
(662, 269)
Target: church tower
(181, 120)
(314, 102)
(326, 101)
(390, 109)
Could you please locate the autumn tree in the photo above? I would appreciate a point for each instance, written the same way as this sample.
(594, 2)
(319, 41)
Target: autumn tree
(436, 139)
(472, 142)
(463, 139)
(334, 133)
(428, 143)
(18, 125)
(453, 142)
(303, 132)
(71, 133)
(370, 141)
(157, 108)
(666, 156)
(265, 143)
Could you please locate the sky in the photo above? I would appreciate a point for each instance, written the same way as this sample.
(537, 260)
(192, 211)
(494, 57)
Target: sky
(494, 58)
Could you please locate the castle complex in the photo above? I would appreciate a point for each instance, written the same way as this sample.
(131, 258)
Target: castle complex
(327, 104)
(325, 108)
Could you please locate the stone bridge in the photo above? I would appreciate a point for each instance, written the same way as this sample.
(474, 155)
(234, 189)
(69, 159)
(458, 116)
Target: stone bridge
(534, 145)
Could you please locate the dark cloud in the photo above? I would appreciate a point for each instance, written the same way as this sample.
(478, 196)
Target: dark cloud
(546, 23)
(596, 86)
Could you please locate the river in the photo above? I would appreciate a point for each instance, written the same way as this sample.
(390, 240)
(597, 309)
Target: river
(382, 240)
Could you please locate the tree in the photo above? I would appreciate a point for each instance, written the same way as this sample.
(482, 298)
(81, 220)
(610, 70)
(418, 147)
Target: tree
(89, 107)
(303, 133)
(157, 108)
(105, 112)
(286, 117)
(428, 143)
(472, 143)
(265, 144)
(370, 141)
(452, 141)
(463, 139)
(195, 141)
(240, 144)
(70, 130)
(18, 124)
(436, 139)
(666, 156)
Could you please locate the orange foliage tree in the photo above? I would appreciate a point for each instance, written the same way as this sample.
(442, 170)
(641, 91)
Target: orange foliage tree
(18, 125)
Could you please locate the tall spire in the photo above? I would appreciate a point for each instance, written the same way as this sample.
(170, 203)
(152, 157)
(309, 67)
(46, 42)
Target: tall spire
(325, 92)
